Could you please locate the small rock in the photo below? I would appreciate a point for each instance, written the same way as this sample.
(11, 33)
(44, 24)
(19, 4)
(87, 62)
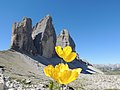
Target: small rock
(28, 81)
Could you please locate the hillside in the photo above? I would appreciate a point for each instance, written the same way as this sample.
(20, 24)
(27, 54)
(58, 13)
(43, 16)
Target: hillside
(23, 71)
(20, 64)
(17, 65)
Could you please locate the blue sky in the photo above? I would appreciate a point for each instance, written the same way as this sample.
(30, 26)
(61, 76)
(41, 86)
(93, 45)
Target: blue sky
(93, 24)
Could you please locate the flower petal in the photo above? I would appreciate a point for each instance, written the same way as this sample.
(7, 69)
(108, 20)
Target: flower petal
(64, 77)
(67, 50)
(77, 70)
(55, 75)
(48, 70)
(70, 58)
(59, 51)
(74, 76)
(61, 67)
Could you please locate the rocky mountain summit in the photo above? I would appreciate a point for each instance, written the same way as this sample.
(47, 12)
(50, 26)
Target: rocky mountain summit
(44, 37)
(21, 36)
(64, 39)
(41, 41)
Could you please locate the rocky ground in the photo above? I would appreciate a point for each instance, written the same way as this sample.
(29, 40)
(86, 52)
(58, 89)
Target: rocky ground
(22, 72)
(98, 82)
(84, 82)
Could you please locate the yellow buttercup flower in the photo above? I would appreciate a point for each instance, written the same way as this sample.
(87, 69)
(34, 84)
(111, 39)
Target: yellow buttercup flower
(61, 73)
(65, 53)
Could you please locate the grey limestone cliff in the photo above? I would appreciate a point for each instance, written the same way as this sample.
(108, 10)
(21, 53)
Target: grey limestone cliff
(39, 40)
(21, 36)
(44, 37)
(64, 39)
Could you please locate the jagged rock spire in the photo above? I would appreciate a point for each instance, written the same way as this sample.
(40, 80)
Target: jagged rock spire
(44, 37)
(21, 36)
(64, 39)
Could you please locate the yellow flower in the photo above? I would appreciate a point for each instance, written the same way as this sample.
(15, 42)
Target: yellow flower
(65, 53)
(61, 73)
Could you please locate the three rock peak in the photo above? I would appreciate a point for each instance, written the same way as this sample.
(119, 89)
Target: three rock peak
(40, 39)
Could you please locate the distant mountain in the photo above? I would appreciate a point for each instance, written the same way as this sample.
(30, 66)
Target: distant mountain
(108, 68)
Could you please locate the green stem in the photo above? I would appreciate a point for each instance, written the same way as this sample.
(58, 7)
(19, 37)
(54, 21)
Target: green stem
(51, 85)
